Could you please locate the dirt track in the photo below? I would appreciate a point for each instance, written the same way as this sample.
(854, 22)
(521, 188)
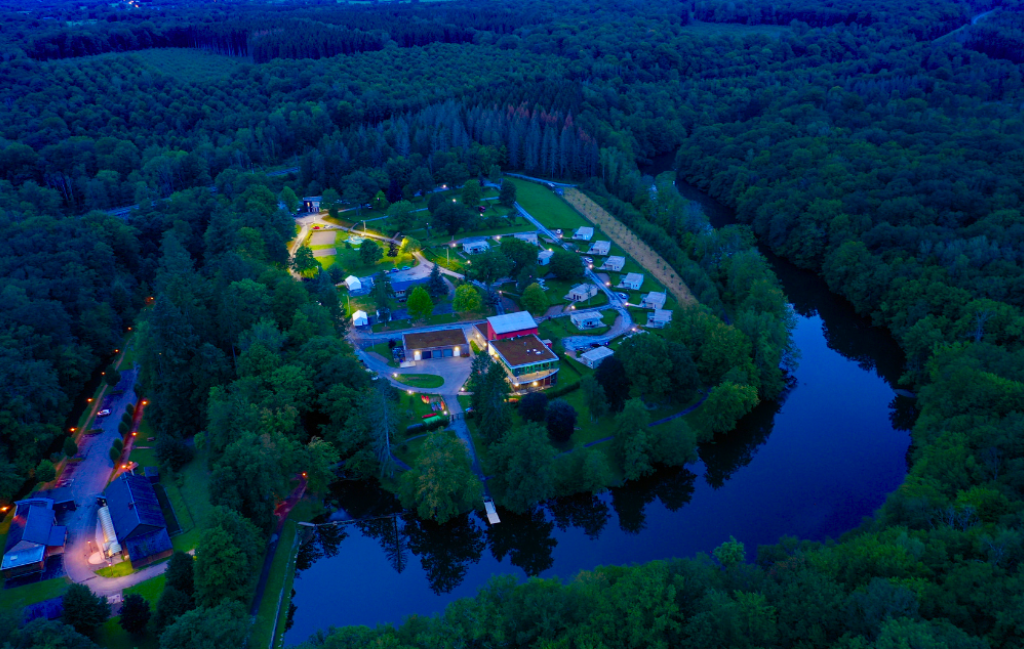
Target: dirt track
(632, 244)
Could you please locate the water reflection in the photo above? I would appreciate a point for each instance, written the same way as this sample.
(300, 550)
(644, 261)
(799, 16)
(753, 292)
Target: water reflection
(732, 451)
(526, 539)
(673, 486)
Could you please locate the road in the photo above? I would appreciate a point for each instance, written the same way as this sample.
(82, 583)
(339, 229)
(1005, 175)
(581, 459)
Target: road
(90, 479)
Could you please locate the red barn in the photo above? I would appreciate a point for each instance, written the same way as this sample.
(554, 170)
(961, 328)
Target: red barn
(511, 325)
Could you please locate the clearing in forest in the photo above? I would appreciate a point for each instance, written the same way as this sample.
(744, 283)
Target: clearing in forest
(632, 244)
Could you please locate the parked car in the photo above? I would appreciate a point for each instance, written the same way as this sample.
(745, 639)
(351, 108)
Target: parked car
(393, 270)
(406, 267)
(625, 297)
(103, 413)
(588, 260)
(595, 345)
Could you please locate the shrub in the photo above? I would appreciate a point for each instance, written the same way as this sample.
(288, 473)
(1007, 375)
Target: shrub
(45, 471)
(533, 407)
(135, 614)
(70, 447)
(563, 389)
(561, 420)
(173, 453)
(118, 444)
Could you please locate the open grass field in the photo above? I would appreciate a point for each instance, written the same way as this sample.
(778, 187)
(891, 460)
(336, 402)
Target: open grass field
(634, 247)
(150, 590)
(21, 596)
(118, 570)
(425, 381)
(546, 206)
(190, 496)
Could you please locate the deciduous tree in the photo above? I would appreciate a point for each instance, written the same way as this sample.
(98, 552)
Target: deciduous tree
(442, 483)
(135, 614)
(83, 610)
(420, 305)
(534, 299)
(467, 299)
(523, 465)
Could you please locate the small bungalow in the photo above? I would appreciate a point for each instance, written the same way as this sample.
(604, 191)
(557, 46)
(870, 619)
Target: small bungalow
(659, 318)
(632, 281)
(594, 357)
(353, 284)
(529, 237)
(544, 257)
(581, 292)
(33, 536)
(447, 343)
(615, 263)
(583, 234)
(360, 319)
(653, 300)
(586, 319)
(600, 248)
(475, 247)
(311, 204)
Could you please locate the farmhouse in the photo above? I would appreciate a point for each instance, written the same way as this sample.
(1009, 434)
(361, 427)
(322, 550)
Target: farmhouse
(544, 257)
(653, 300)
(311, 204)
(403, 288)
(659, 318)
(33, 536)
(594, 357)
(435, 344)
(600, 248)
(581, 292)
(527, 361)
(529, 237)
(475, 247)
(632, 281)
(615, 263)
(586, 319)
(511, 325)
(359, 319)
(583, 234)
(138, 524)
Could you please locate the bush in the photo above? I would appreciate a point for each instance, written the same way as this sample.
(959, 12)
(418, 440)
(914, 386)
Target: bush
(533, 407)
(563, 389)
(173, 453)
(115, 454)
(126, 419)
(130, 410)
(426, 428)
(45, 471)
(118, 444)
(561, 420)
(70, 447)
(122, 428)
(135, 614)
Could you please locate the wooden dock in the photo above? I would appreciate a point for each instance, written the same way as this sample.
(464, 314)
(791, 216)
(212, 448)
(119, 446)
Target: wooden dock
(492, 513)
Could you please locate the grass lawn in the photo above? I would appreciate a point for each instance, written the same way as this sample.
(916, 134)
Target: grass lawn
(189, 495)
(449, 260)
(398, 325)
(547, 207)
(412, 409)
(385, 351)
(420, 380)
(563, 327)
(353, 264)
(118, 570)
(282, 571)
(145, 453)
(32, 593)
(151, 589)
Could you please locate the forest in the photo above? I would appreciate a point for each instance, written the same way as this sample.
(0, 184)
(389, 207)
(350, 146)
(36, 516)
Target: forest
(875, 142)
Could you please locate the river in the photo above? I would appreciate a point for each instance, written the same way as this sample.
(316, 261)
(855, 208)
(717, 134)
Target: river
(811, 465)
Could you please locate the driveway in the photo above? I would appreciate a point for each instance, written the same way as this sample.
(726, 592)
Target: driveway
(90, 479)
(454, 371)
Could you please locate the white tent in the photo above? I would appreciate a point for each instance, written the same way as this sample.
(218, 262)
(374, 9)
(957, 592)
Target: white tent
(353, 283)
(359, 319)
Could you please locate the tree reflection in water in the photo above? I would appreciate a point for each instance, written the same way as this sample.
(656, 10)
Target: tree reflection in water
(585, 511)
(673, 486)
(321, 542)
(729, 452)
(445, 551)
(525, 538)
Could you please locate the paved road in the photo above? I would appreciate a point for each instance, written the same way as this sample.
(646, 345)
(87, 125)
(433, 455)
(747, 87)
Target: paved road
(90, 479)
(454, 371)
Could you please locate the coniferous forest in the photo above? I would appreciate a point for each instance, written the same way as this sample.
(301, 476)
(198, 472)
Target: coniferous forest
(877, 143)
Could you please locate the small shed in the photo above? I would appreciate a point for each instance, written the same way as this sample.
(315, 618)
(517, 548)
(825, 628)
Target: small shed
(352, 283)
(659, 318)
(653, 300)
(632, 281)
(586, 319)
(311, 203)
(529, 237)
(583, 234)
(614, 263)
(594, 357)
(475, 247)
(581, 292)
(600, 248)
(544, 257)
(359, 319)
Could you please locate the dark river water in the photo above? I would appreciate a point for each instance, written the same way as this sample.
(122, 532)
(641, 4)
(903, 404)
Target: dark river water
(811, 465)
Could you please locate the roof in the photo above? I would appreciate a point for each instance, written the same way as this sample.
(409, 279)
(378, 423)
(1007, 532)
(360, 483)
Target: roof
(443, 338)
(544, 254)
(476, 243)
(601, 244)
(614, 259)
(583, 288)
(597, 354)
(312, 198)
(655, 296)
(633, 277)
(525, 235)
(133, 506)
(359, 314)
(31, 524)
(405, 285)
(662, 314)
(583, 316)
(146, 545)
(518, 321)
(351, 278)
(584, 232)
(524, 350)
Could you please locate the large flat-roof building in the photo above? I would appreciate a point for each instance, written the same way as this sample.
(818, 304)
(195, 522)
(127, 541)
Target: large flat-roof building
(511, 325)
(138, 523)
(527, 361)
(447, 343)
(33, 536)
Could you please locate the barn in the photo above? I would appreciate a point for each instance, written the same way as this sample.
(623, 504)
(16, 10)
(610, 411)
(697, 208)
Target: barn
(511, 325)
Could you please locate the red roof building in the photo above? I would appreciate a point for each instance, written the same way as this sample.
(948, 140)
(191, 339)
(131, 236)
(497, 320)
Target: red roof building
(511, 325)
